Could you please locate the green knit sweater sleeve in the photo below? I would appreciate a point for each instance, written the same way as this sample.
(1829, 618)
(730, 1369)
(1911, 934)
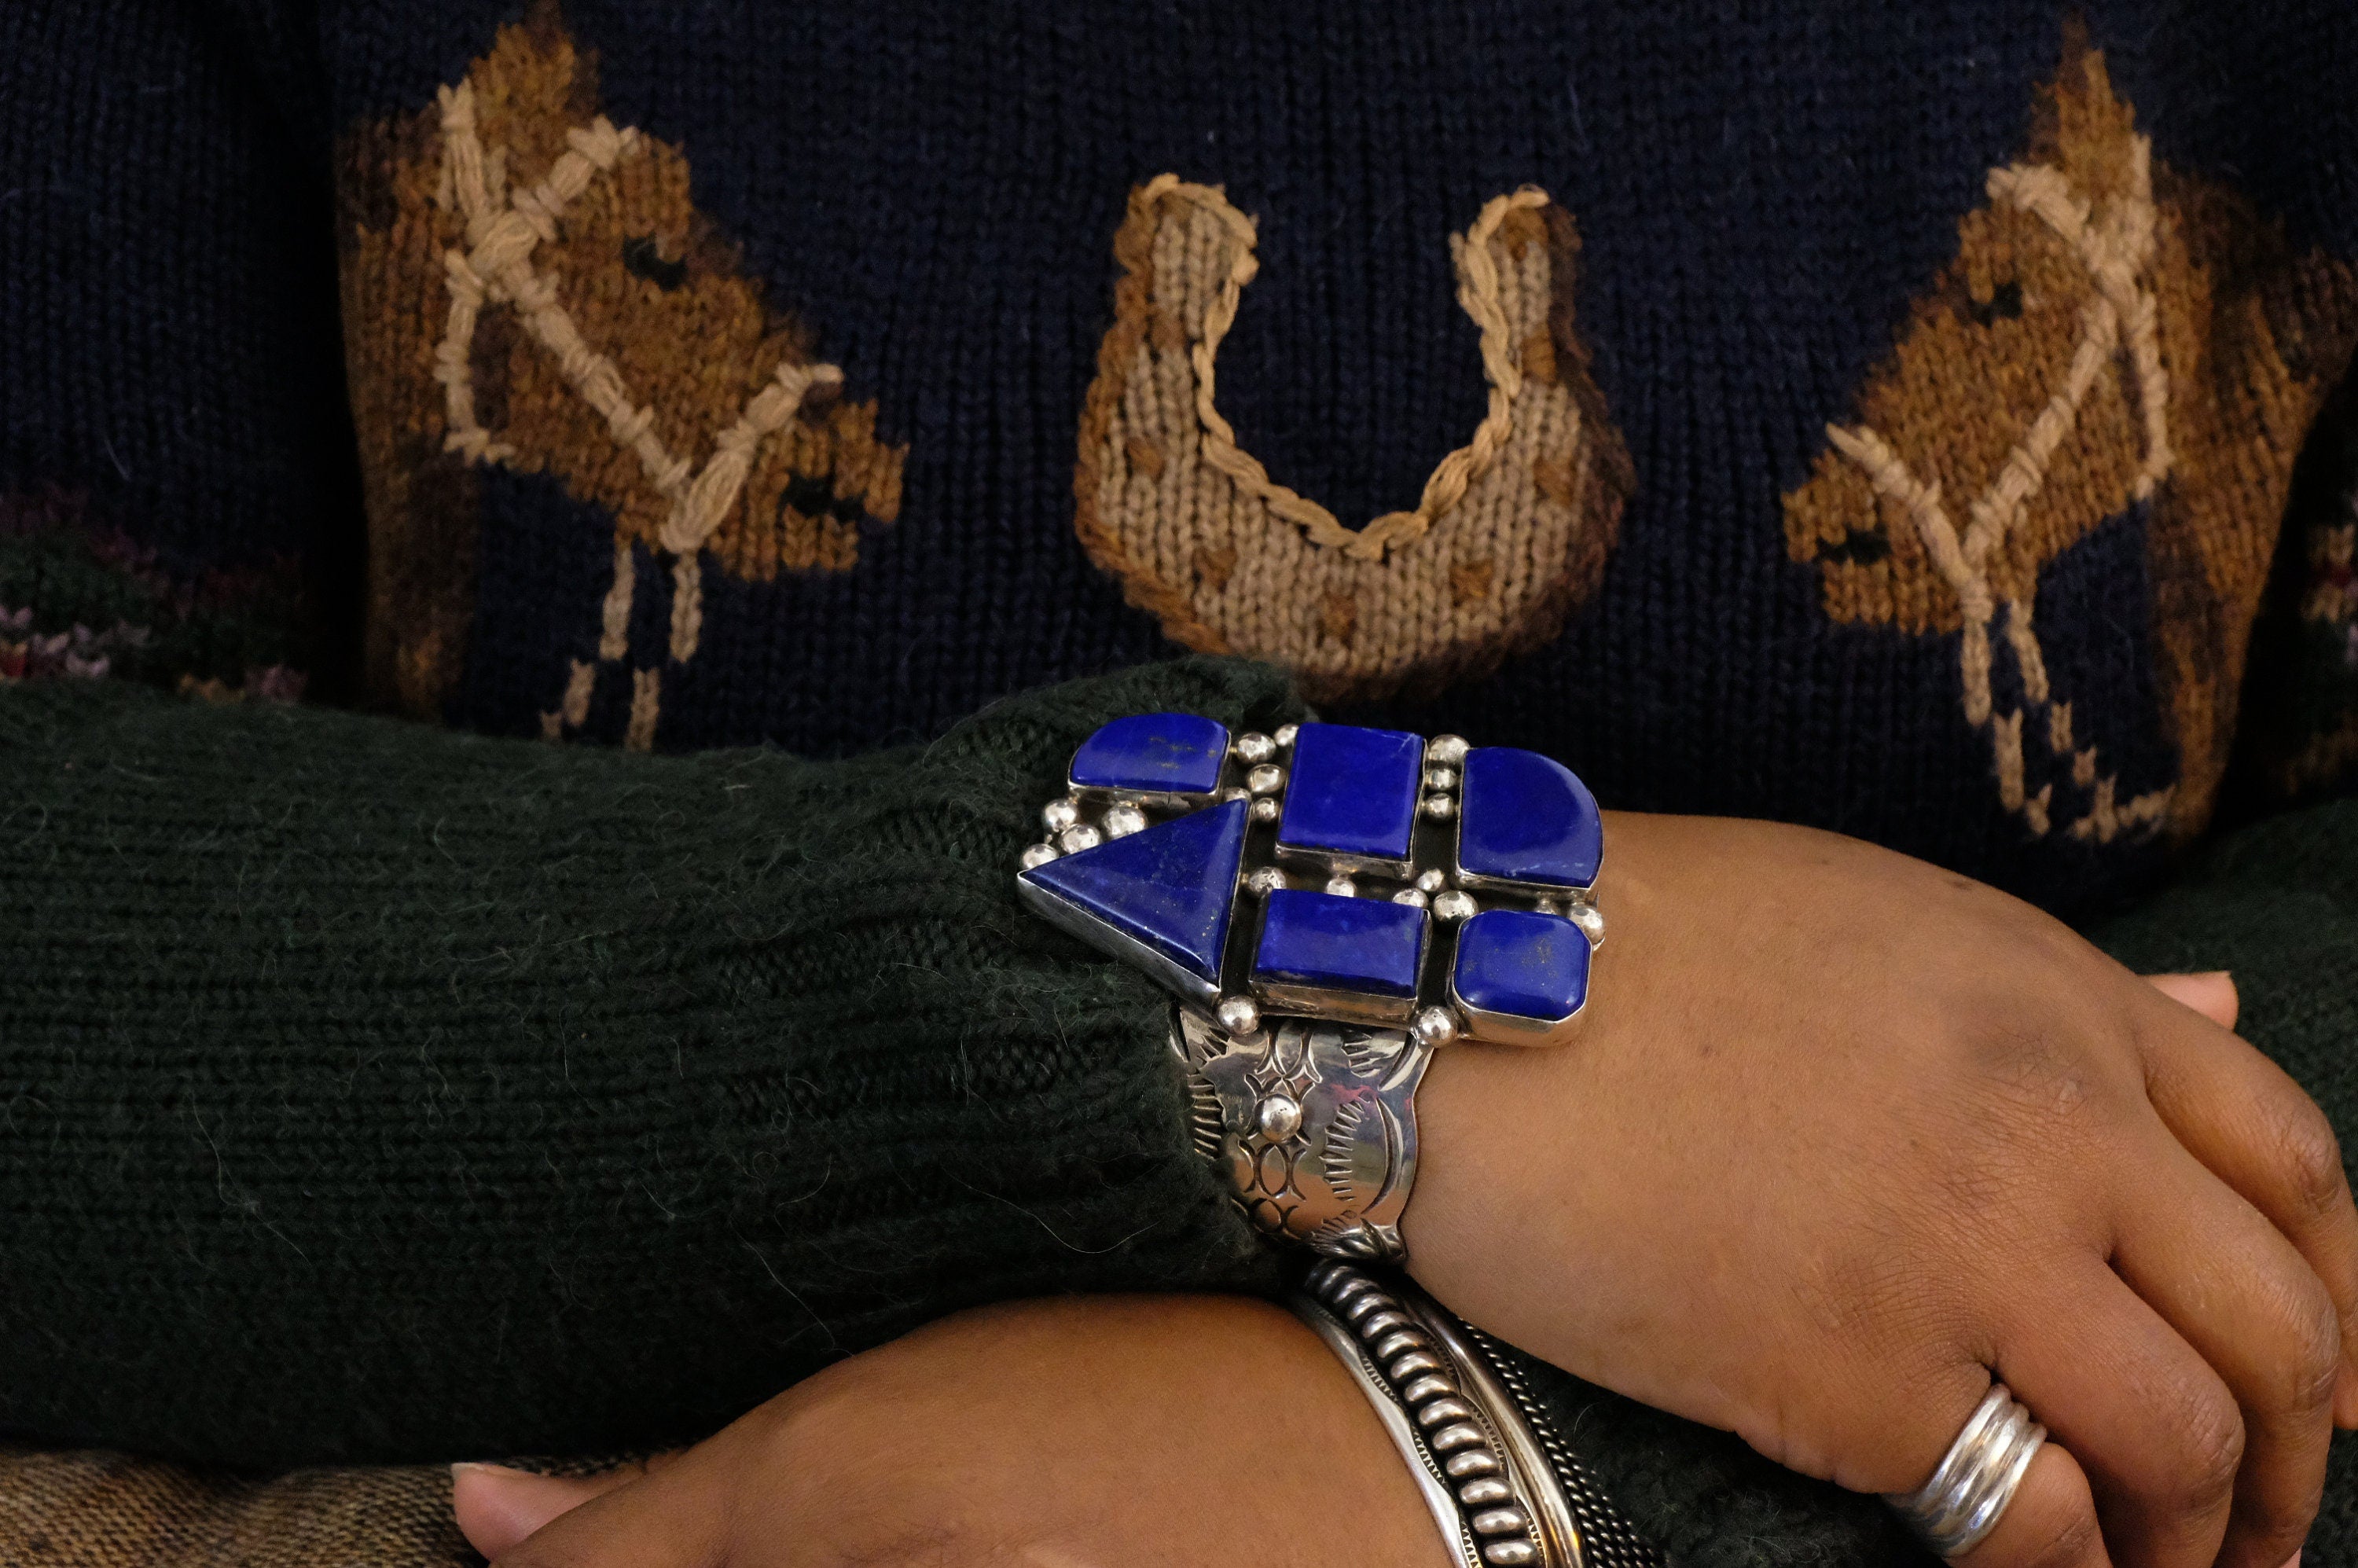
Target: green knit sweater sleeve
(371, 1092)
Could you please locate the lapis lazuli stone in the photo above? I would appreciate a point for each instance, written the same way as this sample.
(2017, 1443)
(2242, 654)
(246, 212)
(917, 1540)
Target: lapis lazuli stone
(1169, 886)
(1526, 965)
(1525, 818)
(1340, 944)
(1153, 753)
(1352, 791)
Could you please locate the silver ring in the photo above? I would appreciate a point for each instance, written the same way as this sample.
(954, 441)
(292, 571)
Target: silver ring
(1955, 1510)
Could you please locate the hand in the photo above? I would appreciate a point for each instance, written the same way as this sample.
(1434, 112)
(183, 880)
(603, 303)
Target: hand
(1122, 1430)
(1843, 1135)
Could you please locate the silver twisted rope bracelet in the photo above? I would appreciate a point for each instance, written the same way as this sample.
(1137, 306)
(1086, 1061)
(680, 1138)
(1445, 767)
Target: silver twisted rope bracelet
(1331, 905)
(1500, 1485)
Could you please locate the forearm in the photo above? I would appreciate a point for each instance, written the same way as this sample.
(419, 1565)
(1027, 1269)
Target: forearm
(375, 1092)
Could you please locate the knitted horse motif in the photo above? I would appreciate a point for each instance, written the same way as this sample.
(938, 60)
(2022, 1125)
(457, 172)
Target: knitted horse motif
(1512, 528)
(541, 294)
(2110, 338)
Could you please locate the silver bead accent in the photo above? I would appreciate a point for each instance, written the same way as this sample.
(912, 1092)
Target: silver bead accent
(1410, 1365)
(1473, 1462)
(1060, 814)
(1590, 919)
(1462, 1434)
(1073, 840)
(1426, 1386)
(1509, 1553)
(1266, 779)
(1482, 1492)
(1410, 897)
(1432, 882)
(1441, 778)
(1286, 732)
(1448, 750)
(1440, 807)
(1279, 1117)
(1037, 855)
(1265, 881)
(1545, 906)
(1264, 811)
(1255, 748)
(1122, 821)
(1238, 1015)
(1435, 1026)
(1440, 1410)
(1454, 906)
(1342, 886)
(1498, 1522)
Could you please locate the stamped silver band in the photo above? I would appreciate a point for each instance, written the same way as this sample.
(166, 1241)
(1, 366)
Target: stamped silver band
(1313, 1123)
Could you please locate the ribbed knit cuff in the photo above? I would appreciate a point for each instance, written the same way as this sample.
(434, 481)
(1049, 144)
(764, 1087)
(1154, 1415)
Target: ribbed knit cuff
(368, 1091)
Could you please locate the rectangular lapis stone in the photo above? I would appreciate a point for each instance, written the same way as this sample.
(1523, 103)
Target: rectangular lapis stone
(1522, 964)
(1524, 817)
(1352, 791)
(1153, 753)
(1321, 940)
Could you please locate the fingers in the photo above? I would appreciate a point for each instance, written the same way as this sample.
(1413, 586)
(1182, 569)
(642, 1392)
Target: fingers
(675, 1518)
(2153, 1427)
(2212, 994)
(2052, 1523)
(2244, 1118)
(497, 1508)
(2236, 1289)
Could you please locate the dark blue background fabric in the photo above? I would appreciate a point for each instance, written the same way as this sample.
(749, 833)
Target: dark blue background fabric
(933, 187)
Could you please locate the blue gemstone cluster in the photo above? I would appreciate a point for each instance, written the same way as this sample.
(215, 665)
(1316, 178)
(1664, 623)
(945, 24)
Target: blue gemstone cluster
(1481, 855)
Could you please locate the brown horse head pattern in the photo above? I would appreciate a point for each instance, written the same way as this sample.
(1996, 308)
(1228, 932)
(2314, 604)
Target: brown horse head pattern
(2111, 337)
(1512, 529)
(529, 285)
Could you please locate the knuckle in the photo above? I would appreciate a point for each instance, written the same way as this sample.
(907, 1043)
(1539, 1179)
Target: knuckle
(2072, 1543)
(2209, 1456)
(2043, 1085)
(2309, 1155)
(2311, 1336)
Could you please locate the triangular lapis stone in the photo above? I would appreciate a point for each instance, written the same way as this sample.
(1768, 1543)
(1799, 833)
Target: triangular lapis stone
(1167, 888)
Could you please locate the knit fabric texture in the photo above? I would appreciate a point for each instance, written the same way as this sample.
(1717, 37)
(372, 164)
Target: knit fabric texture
(374, 1092)
(1889, 426)
(1920, 423)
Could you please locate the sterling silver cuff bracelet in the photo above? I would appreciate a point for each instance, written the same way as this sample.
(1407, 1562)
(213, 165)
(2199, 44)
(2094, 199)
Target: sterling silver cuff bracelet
(1330, 905)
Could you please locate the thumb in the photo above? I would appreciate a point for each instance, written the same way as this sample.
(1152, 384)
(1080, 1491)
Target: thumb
(2212, 994)
(497, 1506)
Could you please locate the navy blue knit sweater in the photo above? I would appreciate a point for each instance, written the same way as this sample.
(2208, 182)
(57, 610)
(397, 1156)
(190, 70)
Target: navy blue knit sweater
(1915, 419)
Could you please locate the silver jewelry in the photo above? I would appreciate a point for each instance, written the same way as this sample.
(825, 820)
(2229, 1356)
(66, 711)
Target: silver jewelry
(1499, 1482)
(1346, 875)
(1968, 1492)
(1313, 1124)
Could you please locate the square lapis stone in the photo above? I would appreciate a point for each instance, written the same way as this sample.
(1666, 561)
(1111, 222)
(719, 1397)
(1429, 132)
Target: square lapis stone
(1352, 791)
(1329, 943)
(1527, 819)
(1521, 964)
(1153, 753)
